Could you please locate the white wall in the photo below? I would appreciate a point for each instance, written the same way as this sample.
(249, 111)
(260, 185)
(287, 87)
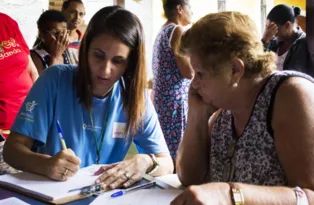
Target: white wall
(26, 15)
(201, 8)
(144, 11)
(249, 7)
(92, 6)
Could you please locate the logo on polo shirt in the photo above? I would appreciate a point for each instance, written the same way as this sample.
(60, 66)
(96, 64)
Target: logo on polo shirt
(119, 130)
(28, 115)
(9, 48)
(91, 128)
(30, 106)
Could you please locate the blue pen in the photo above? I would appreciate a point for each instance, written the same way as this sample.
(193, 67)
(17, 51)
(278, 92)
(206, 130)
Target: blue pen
(60, 132)
(141, 186)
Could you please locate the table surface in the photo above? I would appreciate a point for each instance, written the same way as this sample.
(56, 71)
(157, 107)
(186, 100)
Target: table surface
(170, 179)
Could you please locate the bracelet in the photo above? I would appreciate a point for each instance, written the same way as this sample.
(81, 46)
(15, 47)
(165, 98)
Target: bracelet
(155, 164)
(300, 196)
(236, 195)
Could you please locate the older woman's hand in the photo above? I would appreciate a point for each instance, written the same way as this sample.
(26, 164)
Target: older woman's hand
(211, 193)
(196, 104)
(124, 173)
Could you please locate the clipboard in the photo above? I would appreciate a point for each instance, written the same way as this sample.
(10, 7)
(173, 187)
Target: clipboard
(147, 178)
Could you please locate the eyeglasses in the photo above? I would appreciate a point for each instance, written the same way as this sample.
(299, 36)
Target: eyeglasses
(229, 167)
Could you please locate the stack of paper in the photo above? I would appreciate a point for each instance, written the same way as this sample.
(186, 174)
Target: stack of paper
(139, 197)
(12, 201)
(47, 188)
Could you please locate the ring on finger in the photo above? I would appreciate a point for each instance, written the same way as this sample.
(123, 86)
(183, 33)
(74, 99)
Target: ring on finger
(127, 176)
(65, 172)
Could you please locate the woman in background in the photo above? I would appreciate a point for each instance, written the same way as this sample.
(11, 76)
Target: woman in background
(172, 74)
(287, 40)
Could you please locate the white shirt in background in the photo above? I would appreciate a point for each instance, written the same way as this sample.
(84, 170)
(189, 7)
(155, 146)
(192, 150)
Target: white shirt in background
(280, 60)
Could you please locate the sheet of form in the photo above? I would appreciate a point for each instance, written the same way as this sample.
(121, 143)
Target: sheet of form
(12, 201)
(139, 197)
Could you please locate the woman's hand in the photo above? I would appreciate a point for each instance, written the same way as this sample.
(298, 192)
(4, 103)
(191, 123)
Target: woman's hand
(124, 173)
(206, 194)
(197, 105)
(270, 31)
(58, 45)
(63, 165)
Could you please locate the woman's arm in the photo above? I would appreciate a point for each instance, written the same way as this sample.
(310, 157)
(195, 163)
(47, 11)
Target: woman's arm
(293, 126)
(38, 62)
(182, 62)
(165, 164)
(194, 148)
(17, 153)
(32, 69)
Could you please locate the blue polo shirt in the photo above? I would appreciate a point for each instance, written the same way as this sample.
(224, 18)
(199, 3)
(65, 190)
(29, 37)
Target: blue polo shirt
(53, 97)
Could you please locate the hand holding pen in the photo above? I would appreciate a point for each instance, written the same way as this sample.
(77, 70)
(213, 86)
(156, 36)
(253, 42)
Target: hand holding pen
(64, 164)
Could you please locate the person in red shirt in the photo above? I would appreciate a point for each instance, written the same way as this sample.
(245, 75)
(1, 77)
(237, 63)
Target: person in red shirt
(17, 72)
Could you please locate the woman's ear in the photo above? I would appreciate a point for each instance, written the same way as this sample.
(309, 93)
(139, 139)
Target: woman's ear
(179, 9)
(237, 70)
(288, 26)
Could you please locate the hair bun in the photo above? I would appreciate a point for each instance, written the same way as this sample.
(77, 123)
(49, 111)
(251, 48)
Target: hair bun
(297, 11)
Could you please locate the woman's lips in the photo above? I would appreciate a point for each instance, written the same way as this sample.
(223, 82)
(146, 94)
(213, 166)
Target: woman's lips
(102, 80)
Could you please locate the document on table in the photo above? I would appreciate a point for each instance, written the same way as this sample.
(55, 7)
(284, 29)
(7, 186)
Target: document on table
(47, 188)
(139, 197)
(12, 201)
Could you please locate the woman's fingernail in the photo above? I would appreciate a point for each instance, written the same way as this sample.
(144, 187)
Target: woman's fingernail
(104, 186)
(97, 181)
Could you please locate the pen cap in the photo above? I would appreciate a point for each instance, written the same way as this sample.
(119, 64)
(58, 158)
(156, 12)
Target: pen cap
(59, 127)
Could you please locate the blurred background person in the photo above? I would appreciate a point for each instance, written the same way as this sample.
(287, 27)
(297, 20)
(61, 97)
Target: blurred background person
(74, 12)
(287, 40)
(17, 75)
(172, 73)
(54, 40)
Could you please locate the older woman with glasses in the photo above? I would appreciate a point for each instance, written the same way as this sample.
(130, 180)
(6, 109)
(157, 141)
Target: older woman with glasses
(258, 147)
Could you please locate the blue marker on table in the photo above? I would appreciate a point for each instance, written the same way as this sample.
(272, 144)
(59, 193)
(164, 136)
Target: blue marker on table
(141, 186)
(60, 132)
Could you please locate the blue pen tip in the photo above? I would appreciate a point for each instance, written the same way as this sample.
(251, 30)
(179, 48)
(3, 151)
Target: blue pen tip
(119, 193)
(59, 127)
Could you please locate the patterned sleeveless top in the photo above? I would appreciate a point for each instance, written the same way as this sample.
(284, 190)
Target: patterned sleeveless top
(170, 90)
(45, 56)
(256, 159)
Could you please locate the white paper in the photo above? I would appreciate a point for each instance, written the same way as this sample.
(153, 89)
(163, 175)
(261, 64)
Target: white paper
(47, 188)
(12, 201)
(139, 197)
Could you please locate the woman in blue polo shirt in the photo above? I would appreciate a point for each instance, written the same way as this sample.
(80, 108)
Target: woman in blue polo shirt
(101, 106)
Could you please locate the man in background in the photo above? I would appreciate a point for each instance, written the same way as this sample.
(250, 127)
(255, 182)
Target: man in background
(74, 12)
